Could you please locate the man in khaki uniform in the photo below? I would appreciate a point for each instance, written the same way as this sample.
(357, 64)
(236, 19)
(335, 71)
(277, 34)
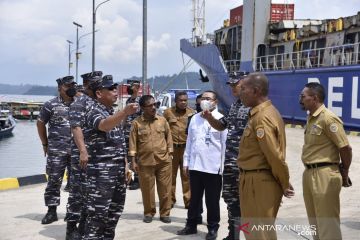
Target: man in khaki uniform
(325, 143)
(151, 147)
(264, 175)
(177, 118)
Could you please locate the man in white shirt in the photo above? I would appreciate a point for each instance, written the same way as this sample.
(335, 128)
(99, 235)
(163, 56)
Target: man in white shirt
(203, 161)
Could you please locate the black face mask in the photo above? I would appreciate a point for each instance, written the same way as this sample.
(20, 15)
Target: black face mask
(197, 107)
(129, 90)
(71, 92)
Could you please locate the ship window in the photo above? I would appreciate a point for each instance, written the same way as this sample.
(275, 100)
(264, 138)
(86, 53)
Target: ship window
(321, 43)
(280, 50)
(306, 45)
(350, 38)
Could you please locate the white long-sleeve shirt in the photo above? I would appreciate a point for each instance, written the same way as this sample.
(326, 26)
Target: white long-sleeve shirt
(200, 155)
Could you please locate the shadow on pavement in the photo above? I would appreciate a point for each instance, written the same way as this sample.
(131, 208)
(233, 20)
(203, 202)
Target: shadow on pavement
(54, 231)
(37, 217)
(174, 229)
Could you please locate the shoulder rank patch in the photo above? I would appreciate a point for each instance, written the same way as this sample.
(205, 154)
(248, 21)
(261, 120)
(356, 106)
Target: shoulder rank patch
(260, 132)
(334, 128)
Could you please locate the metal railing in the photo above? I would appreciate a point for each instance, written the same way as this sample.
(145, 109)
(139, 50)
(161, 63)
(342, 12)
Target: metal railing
(348, 54)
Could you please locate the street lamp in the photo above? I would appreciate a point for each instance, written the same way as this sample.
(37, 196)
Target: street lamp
(77, 47)
(71, 52)
(93, 32)
(144, 56)
(69, 66)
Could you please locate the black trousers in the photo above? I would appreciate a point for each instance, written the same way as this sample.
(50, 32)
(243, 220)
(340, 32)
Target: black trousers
(211, 184)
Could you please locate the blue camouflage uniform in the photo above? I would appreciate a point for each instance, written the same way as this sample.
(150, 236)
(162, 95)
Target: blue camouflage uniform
(77, 195)
(106, 176)
(55, 113)
(130, 119)
(235, 121)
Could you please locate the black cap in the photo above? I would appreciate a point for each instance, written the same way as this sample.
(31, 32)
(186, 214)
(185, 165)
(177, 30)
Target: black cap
(133, 82)
(235, 77)
(65, 80)
(92, 76)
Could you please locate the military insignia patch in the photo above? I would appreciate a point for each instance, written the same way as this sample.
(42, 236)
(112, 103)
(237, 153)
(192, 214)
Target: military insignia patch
(260, 132)
(333, 127)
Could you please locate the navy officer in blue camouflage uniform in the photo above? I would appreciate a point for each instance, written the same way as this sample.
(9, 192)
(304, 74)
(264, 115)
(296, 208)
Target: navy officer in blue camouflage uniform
(133, 90)
(107, 166)
(235, 121)
(76, 206)
(56, 145)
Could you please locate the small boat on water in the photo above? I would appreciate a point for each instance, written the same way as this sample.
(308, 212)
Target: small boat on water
(23, 110)
(7, 122)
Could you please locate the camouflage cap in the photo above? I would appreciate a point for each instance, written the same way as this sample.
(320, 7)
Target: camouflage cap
(92, 76)
(235, 77)
(65, 80)
(133, 82)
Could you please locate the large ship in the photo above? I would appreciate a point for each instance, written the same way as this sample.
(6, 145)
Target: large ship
(265, 37)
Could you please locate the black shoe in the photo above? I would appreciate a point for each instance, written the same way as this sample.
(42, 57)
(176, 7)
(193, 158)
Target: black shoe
(165, 219)
(187, 231)
(50, 217)
(67, 187)
(72, 232)
(147, 219)
(134, 186)
(211, 235)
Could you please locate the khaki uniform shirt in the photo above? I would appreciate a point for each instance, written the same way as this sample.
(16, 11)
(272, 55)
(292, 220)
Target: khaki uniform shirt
(263, 143)
(150, 140)
(324, 136)
(178, 123)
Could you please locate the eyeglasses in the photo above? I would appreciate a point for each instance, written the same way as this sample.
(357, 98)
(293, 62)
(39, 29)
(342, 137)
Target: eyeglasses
(207, 98)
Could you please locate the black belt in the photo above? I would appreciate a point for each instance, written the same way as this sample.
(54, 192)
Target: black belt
(179, 145)
(254, 170)
(321, 164)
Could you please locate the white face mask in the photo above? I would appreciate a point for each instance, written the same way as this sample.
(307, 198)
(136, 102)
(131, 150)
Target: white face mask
(206, 105)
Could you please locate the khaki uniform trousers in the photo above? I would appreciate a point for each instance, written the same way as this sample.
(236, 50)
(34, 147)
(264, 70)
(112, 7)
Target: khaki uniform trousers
(177, 163)
(260, 198)
(161, 172)
(321, 190)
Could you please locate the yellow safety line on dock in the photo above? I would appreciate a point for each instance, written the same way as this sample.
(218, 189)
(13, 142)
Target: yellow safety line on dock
(9, 183)
(12, 183)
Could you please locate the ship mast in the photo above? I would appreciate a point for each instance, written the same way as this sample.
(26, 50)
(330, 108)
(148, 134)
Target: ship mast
(198, 31)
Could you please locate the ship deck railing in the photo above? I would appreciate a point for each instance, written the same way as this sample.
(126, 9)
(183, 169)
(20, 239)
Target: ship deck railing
(347, 54)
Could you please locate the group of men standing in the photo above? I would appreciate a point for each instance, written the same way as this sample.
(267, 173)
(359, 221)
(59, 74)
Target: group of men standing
(84, 128)
(242, 153)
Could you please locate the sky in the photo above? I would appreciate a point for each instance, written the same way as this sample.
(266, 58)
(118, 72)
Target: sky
(33, 34)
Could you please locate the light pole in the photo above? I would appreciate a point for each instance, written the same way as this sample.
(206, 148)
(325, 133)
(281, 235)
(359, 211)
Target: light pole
(77, 47)
(93, 32)
(144, 57)
(71, 52)
(69, 66)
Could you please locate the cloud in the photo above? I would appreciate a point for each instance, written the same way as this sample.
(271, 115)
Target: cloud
(34, 33)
